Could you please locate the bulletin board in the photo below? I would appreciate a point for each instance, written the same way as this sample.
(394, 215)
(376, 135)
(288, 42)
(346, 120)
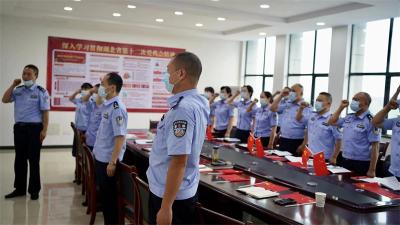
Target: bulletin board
(71, 62)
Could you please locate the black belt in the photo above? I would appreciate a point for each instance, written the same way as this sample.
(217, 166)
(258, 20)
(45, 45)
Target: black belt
(23, 124)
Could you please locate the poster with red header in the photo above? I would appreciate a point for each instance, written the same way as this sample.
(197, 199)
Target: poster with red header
(71, 62)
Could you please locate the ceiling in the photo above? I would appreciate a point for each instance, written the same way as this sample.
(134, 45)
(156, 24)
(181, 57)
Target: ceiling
(245, 19)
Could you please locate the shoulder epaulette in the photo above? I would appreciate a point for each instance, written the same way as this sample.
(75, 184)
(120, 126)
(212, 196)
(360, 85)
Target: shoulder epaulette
(115, 105)
(20, 86)
(41, 88)
(177, 103)
(369, 116)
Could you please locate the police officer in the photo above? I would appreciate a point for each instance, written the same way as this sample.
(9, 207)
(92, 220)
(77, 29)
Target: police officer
(208, 94)
(265, 120)
(110, 144)
(173, 173)
(95, 104)
(292, 131)
(320, 135)
(245, 120)
(223, 113)
(394, 125)
(360, 137)
(31, 113)
(284, 99)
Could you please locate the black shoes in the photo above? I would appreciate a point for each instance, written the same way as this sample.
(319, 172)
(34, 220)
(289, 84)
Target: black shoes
(14, 194)
(34, 196)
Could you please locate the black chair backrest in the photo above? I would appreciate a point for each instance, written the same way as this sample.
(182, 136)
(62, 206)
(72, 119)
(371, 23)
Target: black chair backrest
(144, 193)
(126, 183)
(207, 216)
(153, 124)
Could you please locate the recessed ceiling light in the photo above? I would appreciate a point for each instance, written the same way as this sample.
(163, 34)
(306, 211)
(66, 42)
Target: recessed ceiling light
(262, 33)
(77, 0)
(264, 6)
(131, 6)
(221, 18)
(199, 24)
(215, 0)
(67, 8)
(178, 13)
(320, 24)
(116, 14)
(159, 20)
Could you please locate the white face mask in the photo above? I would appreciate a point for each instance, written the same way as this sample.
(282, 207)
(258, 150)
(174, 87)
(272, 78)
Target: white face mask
(263, 102)
(244, 95)
(84, 93)
(28, 83)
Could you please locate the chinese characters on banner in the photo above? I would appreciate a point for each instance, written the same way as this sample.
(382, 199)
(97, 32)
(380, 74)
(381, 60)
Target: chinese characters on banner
(72, 62)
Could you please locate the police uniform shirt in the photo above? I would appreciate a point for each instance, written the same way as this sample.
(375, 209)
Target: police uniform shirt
(30, 102)
(113, 123)
(358, 134)
(322, 136)
(290, 127)
(181, 131)
(94, 123)
(244, 118)
(82, 113)
(265, 120)
(394, 125)
(223, 112)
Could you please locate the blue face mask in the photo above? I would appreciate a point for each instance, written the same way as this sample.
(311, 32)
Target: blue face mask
(292, 96)
(102, 92)
(168, 85)
(222, 97)
(28, 83)
(263, 102)
(355, 105)
(318, 106)
(244, 95)
(84, 93)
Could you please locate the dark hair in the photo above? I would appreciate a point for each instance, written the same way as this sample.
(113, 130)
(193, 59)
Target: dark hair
(227, 89)
(97, 85)
(368, 97)
(86, 86)
(209, 89)
(115, 79)
(34, 68)
(326, 94)
(190, 63)
(249, 89)
(269, 96)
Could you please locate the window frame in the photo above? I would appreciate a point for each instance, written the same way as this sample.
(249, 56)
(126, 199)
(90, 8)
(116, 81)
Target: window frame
(312, 74)
(263, 75)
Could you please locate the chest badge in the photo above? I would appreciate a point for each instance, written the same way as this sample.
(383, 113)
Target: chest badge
(180, 127)
(105, 115)
(361, 126)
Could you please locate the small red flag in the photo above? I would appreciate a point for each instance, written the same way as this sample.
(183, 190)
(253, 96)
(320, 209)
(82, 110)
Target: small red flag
(209, 133)
(320, 165)
(250, 143)
(259, 148)
(306, 156)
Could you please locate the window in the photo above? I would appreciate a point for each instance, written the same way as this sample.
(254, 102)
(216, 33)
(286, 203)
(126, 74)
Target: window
(375, 56)
(309, 58)
(260, 60)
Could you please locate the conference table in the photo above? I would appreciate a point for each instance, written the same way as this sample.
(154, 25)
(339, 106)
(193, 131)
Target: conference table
(346, 203)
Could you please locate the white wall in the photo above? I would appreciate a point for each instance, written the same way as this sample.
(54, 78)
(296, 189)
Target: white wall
(24, 41)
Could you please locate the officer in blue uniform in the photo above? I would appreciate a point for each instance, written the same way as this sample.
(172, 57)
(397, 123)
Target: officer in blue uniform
(110, 144)
(31, 113)
(360, 137)
(265, 120)
(393, 124)
(208, 94)
(173, 173)
(245, 120)
(223, 113)
(95, 103)
(284, 99)
(320, 135)
(292, 131)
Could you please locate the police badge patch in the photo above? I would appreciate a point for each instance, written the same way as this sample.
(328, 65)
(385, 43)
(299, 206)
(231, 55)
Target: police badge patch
(180, 127)
(119, 120)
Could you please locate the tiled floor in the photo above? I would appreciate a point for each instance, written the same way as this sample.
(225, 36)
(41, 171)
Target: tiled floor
(60, 200)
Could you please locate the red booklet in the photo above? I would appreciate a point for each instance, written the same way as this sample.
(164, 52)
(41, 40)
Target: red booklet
(235, 178)
(271, 186)
(299, 198)
(275, 158)
(297, 164)
(375, 188)
(229, 171)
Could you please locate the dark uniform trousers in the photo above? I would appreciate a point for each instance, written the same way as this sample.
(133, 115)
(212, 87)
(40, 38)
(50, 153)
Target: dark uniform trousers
(27, 148)
(242, 135)
(108, 193)
(183, 211)
(359, 167)
(219, 133)
(290, 145)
